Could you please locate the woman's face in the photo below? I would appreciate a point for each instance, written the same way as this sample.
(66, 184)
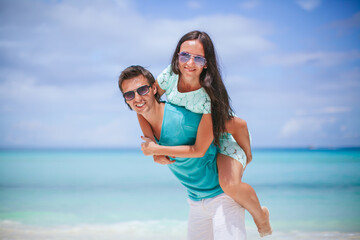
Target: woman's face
(190, 69)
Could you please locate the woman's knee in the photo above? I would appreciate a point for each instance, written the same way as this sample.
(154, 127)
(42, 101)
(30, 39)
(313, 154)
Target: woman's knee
(230, 183)
(236, 124)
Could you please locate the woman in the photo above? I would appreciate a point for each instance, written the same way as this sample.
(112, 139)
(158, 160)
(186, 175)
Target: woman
(193, 80)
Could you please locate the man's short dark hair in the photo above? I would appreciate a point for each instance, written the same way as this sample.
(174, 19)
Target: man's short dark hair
(135, 71)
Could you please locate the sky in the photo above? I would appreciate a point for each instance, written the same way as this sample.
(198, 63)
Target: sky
(291, 67)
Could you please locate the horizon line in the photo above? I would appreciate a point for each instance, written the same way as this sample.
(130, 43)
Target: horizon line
(138, 149)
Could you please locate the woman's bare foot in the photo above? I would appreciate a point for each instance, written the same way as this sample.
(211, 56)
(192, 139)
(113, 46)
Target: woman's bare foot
(264, 228)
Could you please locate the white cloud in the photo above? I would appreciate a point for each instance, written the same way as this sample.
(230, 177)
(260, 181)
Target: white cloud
(343, 81)
(61, 59)
(323, 111)
(77, 131)
(82, 38)
(352, 22)
(249, 4)
(316, 123)
(234, 35)
(300, 112)
(343, 128)
(334, 110)
(309, 5)
(193, 4)
(60, 70)
(28, 92)
(304, 125)
(325, 59)
(91, 42)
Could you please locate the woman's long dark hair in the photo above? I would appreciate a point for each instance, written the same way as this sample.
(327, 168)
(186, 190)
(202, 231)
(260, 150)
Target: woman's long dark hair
(211, 81)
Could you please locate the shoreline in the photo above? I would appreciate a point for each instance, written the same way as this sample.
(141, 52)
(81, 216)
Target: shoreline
(142, 230)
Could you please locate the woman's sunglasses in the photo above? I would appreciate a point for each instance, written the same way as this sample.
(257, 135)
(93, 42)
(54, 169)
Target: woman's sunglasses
(198, 60)
(143, 90)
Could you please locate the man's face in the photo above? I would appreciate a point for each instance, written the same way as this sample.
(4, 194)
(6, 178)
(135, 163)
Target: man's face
(141, 104)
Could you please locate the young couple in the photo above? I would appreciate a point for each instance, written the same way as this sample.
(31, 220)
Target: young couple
(209, 163)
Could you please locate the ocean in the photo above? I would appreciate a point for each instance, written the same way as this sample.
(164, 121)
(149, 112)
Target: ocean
(121, 194)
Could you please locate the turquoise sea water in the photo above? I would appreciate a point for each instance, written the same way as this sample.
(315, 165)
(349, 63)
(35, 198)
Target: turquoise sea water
(121, 194)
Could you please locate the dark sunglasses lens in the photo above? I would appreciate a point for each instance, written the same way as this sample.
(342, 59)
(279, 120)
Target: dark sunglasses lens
(129, 95)
(200, 61)
(143, 90)
(184, 57)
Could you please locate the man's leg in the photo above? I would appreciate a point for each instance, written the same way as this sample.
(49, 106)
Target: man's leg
(200, 226)
(228, 218)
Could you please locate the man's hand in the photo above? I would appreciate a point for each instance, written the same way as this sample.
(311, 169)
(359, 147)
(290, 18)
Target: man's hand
(164, 160)
(148, 146)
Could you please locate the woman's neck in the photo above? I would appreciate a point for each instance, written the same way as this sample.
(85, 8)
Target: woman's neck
(188, 84)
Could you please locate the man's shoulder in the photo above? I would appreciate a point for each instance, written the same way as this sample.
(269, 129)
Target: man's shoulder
(177, 115)
(175, 108)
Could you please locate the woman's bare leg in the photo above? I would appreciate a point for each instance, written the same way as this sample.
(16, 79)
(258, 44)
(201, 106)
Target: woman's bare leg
(239, 130)
(230, 174)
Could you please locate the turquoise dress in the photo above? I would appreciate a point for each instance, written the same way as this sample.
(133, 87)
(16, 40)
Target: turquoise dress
(198, 102)
(198, 175)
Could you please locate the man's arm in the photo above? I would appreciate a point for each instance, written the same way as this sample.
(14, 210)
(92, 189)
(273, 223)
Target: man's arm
(148, 132)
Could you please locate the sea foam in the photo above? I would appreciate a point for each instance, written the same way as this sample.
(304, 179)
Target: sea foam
(140, 230)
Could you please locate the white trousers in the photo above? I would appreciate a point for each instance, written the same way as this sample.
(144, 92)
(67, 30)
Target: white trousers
(217, 218)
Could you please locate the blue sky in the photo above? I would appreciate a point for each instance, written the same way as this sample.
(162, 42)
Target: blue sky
(292, 67)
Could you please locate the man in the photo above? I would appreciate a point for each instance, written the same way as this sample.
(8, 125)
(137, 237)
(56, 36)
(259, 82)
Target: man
(213, 214)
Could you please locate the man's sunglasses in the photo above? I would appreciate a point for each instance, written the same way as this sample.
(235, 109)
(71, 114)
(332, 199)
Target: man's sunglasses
(143, 90)
(198, 60)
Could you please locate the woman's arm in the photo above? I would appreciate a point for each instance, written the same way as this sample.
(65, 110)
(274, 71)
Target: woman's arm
(204, 138)
(160, 91)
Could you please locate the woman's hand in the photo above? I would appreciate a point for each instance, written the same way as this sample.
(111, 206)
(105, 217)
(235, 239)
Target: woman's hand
(148, 146)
